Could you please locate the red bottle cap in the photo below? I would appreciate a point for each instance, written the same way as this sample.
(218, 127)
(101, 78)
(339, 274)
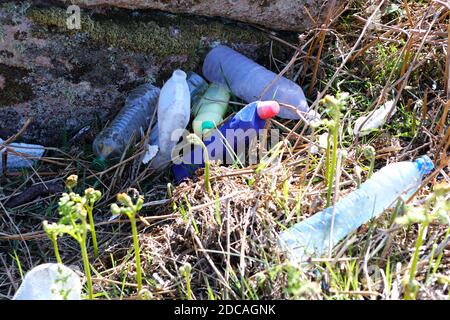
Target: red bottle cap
(267, 109)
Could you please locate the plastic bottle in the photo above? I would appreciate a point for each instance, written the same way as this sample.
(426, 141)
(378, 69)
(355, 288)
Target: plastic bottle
(14, 160)
(210, 109)
(248, 80)
(311, 236)
(197, 87)
(50, 281)
(131, 122)
(237, 131)
(174, 109)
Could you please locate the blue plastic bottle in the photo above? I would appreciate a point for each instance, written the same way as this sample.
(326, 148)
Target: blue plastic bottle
(311, 237)
(237, 133)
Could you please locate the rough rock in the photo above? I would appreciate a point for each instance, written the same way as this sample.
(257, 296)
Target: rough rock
(273, 14)
(68, 80)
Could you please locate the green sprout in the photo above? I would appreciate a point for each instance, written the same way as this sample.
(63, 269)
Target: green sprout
(185, 270)
(53, 230)
(334, 106)
(131, 210)
(435, 209)
(194, 139)
(74, 210)
(369, 153)
(91, 195)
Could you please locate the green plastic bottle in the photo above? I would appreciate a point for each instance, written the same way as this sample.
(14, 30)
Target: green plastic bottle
(211, 109)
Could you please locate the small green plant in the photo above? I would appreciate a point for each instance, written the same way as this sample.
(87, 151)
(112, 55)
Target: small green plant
(92, 196)
(131, 210)
(334, 106)
(369, 153)
(185, 271)
(194, 139)
(73, 210)
(436, 208)
(298, 286)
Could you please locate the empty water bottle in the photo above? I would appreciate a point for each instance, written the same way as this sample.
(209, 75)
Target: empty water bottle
(248, 80)
(235, 134)
(174, 110)
(128, 126)
(211, 109)
(50, 281)
(19, 155)
(197, 87)
(311, 237)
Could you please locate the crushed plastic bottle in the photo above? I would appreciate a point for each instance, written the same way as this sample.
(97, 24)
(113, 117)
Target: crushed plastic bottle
(23, 155)
(248, 80)
(210, 109)
(252, 117)
(50, 281)
(130, 123)
(174, 110)
(311, 237)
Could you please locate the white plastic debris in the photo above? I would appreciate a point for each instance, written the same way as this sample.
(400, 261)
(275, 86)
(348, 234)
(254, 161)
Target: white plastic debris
(321, 143)
(152, 150)
(50, 281)
(377, 118)
(22, 155)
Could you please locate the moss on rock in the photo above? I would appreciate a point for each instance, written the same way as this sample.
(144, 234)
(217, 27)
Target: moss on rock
(158, 34)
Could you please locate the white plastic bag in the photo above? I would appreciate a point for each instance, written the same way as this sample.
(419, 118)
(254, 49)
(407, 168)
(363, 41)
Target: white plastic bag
(50, 281)
(364, 125)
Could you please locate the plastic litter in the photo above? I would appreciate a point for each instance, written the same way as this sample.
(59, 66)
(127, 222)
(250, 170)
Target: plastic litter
(211, 109)
(252, 117)
(248, 80)
(22, 155)
(311, 237)
(50, 281)
(377, 118)
(174, 109)
(129, 124)
(197, 87)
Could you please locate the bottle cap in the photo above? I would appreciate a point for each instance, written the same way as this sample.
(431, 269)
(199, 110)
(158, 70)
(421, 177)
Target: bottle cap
(424, 164)
(99, 164)
(267, 109)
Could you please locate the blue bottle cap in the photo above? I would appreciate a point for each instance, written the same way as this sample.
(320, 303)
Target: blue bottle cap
(424, 164)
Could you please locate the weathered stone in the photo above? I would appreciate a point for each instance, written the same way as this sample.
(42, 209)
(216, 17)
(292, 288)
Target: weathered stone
(273, 14)
(70, 79)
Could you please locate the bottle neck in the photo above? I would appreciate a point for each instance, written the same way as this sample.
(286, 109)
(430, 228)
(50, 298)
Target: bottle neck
(179, 75)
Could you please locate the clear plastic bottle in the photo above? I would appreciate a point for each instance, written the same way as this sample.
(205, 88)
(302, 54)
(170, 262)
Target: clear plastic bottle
(197, 87)
(248, 80)
(210, 109)
(174, 110)
(24, 155)
(311, 236)
(131, 122)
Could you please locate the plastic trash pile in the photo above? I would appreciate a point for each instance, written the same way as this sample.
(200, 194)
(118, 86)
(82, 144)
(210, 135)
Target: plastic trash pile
(188, 94)
(231, 73)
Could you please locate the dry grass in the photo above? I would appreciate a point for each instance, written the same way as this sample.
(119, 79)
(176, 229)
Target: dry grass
(230, 239)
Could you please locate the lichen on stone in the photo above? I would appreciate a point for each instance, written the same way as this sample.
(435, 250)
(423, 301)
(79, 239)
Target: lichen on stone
(158, 34)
